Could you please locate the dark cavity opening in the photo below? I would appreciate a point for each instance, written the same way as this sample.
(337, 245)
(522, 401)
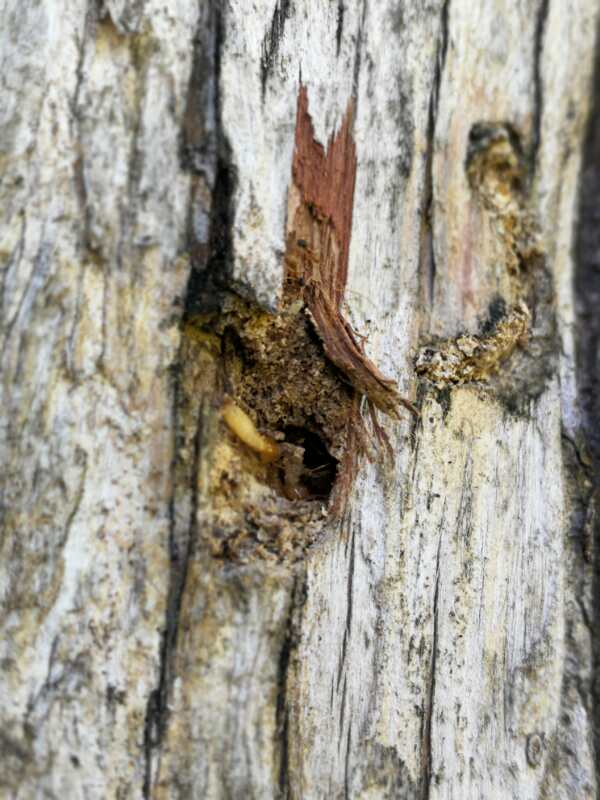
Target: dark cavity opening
(319, 466)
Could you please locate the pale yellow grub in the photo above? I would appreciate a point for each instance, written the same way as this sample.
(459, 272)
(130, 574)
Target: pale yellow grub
(240, 424)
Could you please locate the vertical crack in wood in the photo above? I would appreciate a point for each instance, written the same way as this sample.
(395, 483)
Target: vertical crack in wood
(347, 772)
(77, 120)
(427, 728)
(283, 668)
(349, 606)
(42, 266)
(587, 445)
(427, 254)
(440, 63)
(358, 55)
(157, 709)
(339, 31)
(205, 155)
(538, 84)
(211, 260)
(272, 40)
(140, 52)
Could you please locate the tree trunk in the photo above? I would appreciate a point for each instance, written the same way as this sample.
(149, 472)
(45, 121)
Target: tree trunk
(299, 339)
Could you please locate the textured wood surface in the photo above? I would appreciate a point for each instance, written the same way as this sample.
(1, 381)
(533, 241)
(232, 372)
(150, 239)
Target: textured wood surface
(433, 639)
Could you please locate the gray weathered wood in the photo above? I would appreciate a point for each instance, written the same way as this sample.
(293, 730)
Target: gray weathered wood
(435, 640)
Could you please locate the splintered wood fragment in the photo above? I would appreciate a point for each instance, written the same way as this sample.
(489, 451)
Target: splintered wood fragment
(320, 210)
(346, 352)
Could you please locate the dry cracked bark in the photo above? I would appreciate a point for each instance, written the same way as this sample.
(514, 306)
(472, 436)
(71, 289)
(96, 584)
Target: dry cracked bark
(279, 207)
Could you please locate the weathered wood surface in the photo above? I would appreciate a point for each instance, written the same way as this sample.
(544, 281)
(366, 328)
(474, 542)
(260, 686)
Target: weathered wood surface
(436, 638)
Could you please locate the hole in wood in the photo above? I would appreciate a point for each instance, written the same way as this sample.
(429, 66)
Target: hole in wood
(319, 467)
